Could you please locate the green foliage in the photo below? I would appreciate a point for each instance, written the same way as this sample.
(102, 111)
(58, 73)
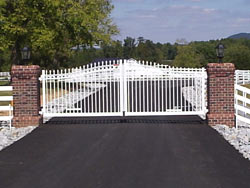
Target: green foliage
(187, 57)
(207, 49)
(4, 61)
(238, 54)
(82, 57)
(149, 51)
(169, 51)
(194, 54)
(112, 50)
(52, 27)
(129, 47)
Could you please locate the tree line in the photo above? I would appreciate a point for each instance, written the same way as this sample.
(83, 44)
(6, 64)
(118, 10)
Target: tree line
(194, 54)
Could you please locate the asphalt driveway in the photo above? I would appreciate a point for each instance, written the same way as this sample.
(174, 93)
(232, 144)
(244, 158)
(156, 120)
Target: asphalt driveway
(153, 152)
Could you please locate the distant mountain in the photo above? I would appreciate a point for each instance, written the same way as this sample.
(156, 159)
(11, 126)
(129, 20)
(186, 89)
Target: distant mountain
(240, 35)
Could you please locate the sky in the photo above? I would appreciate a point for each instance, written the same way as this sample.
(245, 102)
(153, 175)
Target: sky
(168, 20)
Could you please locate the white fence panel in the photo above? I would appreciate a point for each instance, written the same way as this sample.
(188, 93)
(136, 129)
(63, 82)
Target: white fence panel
(242, 77)
(4, 76)
(9, 108)
(242, 97)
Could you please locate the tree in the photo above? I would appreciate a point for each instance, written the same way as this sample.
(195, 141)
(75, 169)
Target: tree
(149, 51)
(238, 54)
(207, 49)
(169, 51)
(113, 50)
(52, 27)
(129, 47)
(186, 57)
(4, 65)
(140, 40)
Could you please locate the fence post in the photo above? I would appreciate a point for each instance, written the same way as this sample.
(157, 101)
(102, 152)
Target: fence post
(221, 94)
(26, 95)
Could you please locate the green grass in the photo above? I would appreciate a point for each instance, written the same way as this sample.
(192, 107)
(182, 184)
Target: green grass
(247, 86)
(4, 83)
(3, 103)
(5, 93)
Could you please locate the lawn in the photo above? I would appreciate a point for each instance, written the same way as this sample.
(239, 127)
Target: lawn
(247, 85)
(4, 83)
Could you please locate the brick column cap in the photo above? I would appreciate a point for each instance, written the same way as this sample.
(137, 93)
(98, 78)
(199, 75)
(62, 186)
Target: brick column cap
(25, 71)
(220, 65)
(217, 68)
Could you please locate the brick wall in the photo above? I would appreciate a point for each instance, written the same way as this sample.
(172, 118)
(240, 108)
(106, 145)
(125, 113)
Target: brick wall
(26, 95)
(221, 94)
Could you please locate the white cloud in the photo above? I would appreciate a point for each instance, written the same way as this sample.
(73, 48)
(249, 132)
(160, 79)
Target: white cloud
(243, 20)
(129, 1)
(209, 10)
(147, 16)
(168, 23)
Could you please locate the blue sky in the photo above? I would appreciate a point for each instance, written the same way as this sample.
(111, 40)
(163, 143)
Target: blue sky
(169, 20)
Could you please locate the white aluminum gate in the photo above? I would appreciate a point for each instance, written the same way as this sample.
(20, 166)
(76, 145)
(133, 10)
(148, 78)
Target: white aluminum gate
(124, 88)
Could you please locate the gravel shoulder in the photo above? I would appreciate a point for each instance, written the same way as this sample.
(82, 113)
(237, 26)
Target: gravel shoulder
(238, 138)
(10, 135)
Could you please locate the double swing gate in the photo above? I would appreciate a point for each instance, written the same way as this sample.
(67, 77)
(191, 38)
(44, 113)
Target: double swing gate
(123, 88)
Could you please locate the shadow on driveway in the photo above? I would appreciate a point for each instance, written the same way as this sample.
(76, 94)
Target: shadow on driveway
(141, 152)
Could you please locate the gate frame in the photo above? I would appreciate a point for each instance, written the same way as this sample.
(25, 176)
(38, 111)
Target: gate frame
(123, 83)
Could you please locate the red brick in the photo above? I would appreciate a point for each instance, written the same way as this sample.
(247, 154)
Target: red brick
(221, 94)
(26, 95)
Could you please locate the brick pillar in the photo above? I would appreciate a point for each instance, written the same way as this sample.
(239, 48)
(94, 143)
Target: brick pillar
(26, 95)
(221, 94)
